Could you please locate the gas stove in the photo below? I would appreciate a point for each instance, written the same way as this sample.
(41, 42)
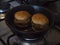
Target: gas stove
(52, 37)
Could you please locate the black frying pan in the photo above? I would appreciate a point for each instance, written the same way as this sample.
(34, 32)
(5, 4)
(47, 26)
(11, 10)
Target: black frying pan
(31, 9)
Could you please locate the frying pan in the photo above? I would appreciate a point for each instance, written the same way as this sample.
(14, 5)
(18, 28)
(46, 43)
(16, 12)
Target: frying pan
(32, 9)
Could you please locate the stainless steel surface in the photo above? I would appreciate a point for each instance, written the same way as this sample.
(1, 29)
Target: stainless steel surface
(14, 4)
(3, 28)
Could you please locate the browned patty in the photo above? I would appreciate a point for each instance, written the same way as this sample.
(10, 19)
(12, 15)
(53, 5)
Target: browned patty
(21, 16)
(40, 19)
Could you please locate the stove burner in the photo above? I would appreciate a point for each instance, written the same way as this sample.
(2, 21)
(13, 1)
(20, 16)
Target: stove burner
(22, 43)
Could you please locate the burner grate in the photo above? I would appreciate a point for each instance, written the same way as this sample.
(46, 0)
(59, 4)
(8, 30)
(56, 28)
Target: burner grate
(2, 41)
